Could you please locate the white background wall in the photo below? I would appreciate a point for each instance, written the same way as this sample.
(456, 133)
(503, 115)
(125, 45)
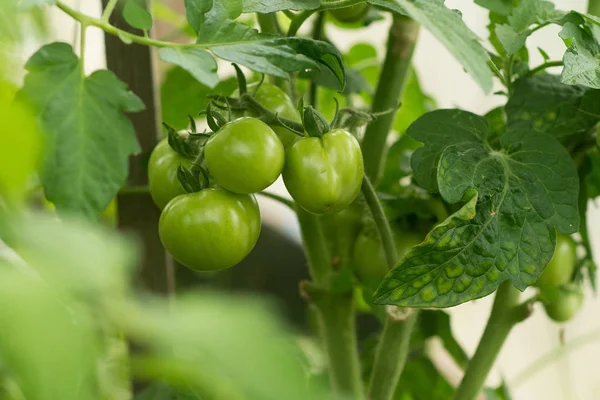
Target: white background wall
(573, 376)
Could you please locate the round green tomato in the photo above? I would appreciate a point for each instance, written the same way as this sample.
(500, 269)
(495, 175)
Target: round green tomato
(244, 156)
(324, 174)
(560, 268)
(565, 304)
(370, 265)
(162, 173)
(210, 230)
(351, 13)
(278, 102)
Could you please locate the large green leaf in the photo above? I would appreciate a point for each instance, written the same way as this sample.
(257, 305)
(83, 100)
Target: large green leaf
(543, 104)
(449, 28)
(269, 54)
(89, 138)
(582, 66)
(269, 6)
(136, 14)
(517, 196)
(197, 62)
(502, 7)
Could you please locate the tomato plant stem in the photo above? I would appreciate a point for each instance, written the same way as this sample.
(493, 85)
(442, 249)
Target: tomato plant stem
(544, 66)
(391, 356)
(593, 7)
(504, 316)
(335, 311)
(317, 32)
(108, 10)
(401, 43)
(381, 223)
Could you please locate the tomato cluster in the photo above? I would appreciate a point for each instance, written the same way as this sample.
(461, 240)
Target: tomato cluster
(217, 226)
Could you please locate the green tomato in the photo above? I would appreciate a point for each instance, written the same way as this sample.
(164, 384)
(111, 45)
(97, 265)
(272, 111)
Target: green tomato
(244, 156)
(560, 268)
(351, 13)
(210, 230)
(565, 304)
(370, 265)
(278, 102)
(162, 173)
(324, 174)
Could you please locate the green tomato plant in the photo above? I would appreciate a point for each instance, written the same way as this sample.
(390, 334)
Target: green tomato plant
(403, 209)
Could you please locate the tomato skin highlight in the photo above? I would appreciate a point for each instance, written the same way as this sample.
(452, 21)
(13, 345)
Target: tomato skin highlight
(562, 265)
(324, 174)
(244, 156)
(278, 102)
(370, 265)
(162, 173)
(566, 303)
(210, 230)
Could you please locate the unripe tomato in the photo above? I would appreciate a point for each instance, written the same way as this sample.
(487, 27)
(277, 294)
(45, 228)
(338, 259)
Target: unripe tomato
(210, 230)
(162, 173)
(565, 304)
(369, 259)
(278, 102)
(244, 156)
(560, 268)
(324, 174)
(351, 13)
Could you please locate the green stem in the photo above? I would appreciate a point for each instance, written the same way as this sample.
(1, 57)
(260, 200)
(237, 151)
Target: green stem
(381, 222)
(82, 37)
(271, 118)
(278, 198)
(298, 21)
(544, 66)
(391, 356)
(401, 43)
(108, 10)
(335, 311)
(594, 7)
(267, 23)
(505, 314)
(317, 32)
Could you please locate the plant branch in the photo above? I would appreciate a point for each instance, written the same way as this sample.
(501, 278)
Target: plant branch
(108, 10)
(381, 222)
(593, 7)
(390, 88)
(544, 66)
(82, 37)
(335, 311)
(506, 313)
(278, 198)
(317, 32)
(391, 355)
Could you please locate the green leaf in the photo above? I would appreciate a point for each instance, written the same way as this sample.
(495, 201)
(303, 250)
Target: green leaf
(529, 12)
(581, 60)
(136, 15)
(89, 138)
(269, 54)
(541, 103)
(181, 95)
(269, 6)
(449, 28)
(500, 393)
(390, 5)
(162, 391)
(516, 197)
(502, 7)
(197, 62)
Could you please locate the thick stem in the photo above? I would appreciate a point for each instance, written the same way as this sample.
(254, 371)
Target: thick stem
(317, 33)
(391, 356)
(401, 43)
(335, 311)
(505, 314)
(338, 329)
(594, 7)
